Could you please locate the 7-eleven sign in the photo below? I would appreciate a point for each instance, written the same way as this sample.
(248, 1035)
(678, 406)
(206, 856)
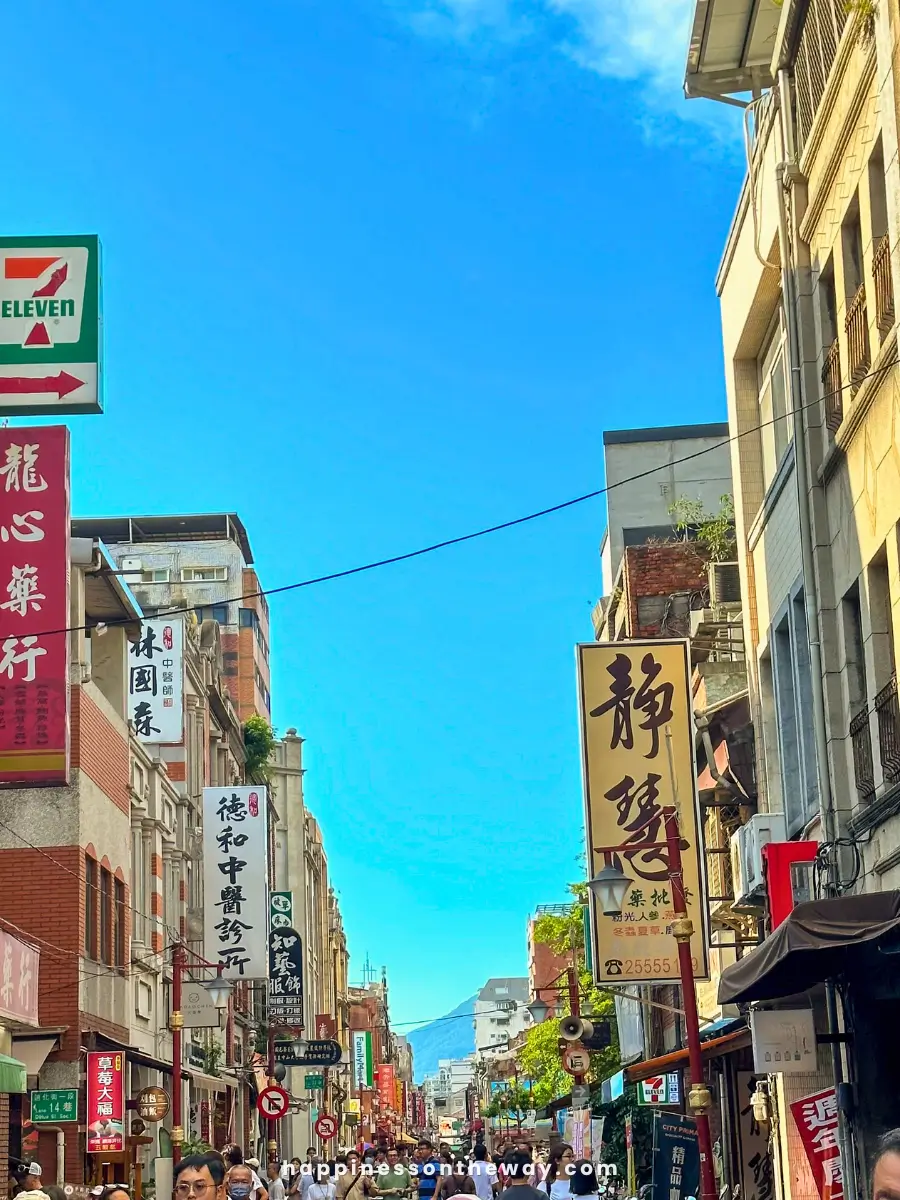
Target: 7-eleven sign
(49, 325)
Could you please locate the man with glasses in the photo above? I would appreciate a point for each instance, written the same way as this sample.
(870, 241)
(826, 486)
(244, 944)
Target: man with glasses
(201, 1176)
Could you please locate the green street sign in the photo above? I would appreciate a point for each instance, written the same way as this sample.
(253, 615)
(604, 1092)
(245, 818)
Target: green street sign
(51, 1107)
(312, 1082)
(281, 910)
(50, 336)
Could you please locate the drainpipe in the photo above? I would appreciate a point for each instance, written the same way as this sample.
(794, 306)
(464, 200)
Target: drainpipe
(702, 723)
(783, 171)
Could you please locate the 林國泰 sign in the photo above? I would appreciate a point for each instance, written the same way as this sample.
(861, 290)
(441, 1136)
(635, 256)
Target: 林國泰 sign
(105, 1102)
(817, 1121)
(156, 682)
(50, 332)
(635, 705)
(363, 1075)
(19, 968)
(285, 978)
(34, 606)
(235, 874)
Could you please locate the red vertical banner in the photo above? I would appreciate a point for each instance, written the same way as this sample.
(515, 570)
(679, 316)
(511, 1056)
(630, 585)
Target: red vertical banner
(817, 1122)
(105, 1102)
(386, 1092)
(34, 606)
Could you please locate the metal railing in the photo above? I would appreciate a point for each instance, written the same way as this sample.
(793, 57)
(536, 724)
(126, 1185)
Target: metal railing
(863, 767)
(888, 713)
(884, 286)
(831, 387)
(857, 328)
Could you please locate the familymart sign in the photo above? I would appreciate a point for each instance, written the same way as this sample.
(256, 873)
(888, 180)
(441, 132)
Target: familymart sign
(50, 337)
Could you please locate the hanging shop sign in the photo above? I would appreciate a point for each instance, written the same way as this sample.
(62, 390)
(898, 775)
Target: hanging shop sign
(660, 1090)
(156, 682)
(285, 977)
(235, 870)
(50, 325)
(197, 1007)
(635, 704)
(363, 1073)
(313, 1083)
(676, 1157)
(313, 1053)
(34, 605)
(152, 1104)
(755, 1158)
(386, 1089)
(816, 1117)
(105, 1103)
(281, 910)
(19, 970)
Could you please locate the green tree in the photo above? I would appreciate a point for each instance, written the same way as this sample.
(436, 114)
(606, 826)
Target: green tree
(713, 533)
(259, 741)
(513, 1099)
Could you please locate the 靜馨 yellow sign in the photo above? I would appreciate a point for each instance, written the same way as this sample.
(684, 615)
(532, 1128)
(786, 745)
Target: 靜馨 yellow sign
(638, 758)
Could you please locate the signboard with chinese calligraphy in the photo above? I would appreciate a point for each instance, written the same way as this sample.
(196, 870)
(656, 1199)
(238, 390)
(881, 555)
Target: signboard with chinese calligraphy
(235, 873)
(156, 682)
(281, 910)
(19, 968)
(755, 1159)
(285, 978)
(105, 1103)
(676, 1157)
(50, 1107)
(34, 599)
(817, 1122)
(363, 1075)
(386, 1085)
(635, 711)
(50, 325)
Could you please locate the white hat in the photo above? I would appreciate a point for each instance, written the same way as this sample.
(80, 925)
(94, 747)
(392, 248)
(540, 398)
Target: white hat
(252, 1162)
(34, 1169)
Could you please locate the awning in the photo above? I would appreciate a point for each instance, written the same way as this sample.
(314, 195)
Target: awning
(813, 944)
(33, 1051)
(679, 1058)
(210, 1083)
(13, 1076)
(706, 782)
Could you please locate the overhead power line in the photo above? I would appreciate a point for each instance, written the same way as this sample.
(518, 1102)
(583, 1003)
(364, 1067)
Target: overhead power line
(433, 547)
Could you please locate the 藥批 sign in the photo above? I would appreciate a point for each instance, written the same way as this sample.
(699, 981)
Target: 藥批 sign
(635, 707)
(235, 875)
(34, 606)
(156, 682)
(50, 329)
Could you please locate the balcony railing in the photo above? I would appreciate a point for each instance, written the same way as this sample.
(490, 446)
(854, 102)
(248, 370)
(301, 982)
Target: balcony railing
(888, 712)
(857, 328)
(831, 387)
(884, 286)
(863, 769)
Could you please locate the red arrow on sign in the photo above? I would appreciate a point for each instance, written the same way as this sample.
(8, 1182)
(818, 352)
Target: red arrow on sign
(21, 385)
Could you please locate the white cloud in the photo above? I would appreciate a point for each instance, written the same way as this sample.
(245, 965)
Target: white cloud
(634, 39)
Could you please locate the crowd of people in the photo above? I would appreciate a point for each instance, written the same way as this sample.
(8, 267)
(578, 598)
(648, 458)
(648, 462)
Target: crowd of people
(430, 1174)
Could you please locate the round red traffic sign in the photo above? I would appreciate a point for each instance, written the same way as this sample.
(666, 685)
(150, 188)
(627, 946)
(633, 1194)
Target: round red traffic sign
(273, 1102)
(325, 1127)
(576, 1060)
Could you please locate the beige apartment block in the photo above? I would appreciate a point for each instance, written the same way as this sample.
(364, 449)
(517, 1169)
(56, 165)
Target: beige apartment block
(822, 148)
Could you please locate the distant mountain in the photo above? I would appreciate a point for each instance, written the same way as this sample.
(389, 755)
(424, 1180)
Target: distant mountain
(443, 1038)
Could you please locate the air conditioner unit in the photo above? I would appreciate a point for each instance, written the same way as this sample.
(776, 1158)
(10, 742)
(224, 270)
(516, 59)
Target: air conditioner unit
(747, 859)
(724, 585)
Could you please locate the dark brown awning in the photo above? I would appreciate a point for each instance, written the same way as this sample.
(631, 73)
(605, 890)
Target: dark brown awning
(814, 943)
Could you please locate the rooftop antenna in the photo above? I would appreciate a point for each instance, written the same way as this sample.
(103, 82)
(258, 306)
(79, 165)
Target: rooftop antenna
(368, 971)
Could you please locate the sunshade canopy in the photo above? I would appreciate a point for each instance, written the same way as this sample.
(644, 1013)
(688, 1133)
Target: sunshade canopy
(815, 943)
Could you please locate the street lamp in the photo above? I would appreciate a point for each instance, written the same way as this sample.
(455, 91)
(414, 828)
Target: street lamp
(610, 887)
(219, 990)
(538, 1009)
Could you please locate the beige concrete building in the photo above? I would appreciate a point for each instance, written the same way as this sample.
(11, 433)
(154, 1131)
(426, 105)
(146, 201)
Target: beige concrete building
(810, 347)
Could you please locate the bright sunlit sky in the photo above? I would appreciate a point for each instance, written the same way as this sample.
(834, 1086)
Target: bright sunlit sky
(378, 272)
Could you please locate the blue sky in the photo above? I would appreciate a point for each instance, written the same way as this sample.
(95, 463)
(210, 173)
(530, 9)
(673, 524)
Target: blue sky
(377, 273)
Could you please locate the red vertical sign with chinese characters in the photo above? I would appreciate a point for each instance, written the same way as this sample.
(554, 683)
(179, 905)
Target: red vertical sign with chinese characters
(386, 1092)
(34, 606)
(105, 1103)
(817, 1122)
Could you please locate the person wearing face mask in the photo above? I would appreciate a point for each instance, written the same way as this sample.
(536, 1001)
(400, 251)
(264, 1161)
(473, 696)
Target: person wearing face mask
(239, 1182)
